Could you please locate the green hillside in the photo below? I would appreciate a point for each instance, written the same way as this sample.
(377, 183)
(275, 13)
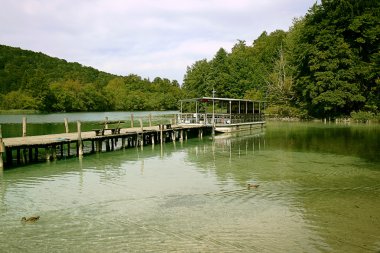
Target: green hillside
(30, 80)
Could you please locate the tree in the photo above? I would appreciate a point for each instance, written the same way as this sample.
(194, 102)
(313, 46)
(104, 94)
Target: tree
(18, 100)
(219, 78)
(280, 84)
(196, 79)
(334, 76)
(116, 92)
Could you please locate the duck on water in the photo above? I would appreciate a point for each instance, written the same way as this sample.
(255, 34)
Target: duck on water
(31, 219)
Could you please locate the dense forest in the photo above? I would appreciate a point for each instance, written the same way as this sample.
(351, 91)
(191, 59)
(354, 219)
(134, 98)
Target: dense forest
(30, 80)
(326, 65)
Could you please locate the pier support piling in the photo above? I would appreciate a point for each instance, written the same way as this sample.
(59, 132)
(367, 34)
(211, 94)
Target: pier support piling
(99, 146)
(47, 153)
(9, 156)
(123, 143)
(54, 152)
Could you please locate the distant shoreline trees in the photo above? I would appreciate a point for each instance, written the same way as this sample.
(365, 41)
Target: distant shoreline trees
(34, 81)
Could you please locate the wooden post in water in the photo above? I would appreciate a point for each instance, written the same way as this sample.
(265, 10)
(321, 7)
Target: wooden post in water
(142, 134)
(99, 146)
(36, 154)
(150, 119)
(123, 143)
(131, 120)
(79, 143)
(47, 153)
(23, 126)
(54, 152)
(1, 150)
(152, 139)
(24, 158)
(173, 135)
(66, 125)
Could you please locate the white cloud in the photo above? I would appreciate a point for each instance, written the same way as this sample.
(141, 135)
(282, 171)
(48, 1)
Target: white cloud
(146, 37)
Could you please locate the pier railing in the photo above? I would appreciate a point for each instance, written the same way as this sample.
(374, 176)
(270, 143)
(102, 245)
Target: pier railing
(219, 118)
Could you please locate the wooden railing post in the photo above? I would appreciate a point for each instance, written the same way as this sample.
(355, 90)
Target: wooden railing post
(131, 120)
(23, 126)
(66, 125)
(106, 122)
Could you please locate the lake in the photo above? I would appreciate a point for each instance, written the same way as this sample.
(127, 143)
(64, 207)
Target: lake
(319, 191)
(53, 123)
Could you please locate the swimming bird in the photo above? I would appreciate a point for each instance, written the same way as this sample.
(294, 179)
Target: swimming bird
(252, 186)
(30, 219)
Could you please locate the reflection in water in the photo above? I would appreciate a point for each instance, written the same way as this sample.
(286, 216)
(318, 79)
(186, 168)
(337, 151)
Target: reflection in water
(193, 197)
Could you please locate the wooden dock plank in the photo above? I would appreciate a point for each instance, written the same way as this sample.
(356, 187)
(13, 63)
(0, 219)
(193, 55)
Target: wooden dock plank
(73, 137)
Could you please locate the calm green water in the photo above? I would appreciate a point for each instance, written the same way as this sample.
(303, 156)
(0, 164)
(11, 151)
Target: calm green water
(53, 123)
(319, 192)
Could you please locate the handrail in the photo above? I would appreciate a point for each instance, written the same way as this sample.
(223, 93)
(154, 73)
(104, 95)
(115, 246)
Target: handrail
(219, 118)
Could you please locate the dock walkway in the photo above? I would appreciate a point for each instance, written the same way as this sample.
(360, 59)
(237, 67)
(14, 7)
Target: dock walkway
(19, 151)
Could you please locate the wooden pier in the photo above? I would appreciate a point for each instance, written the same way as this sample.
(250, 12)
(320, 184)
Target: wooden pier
(24, 150)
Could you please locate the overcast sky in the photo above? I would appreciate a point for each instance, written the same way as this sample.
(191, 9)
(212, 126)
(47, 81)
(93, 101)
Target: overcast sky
(145, 37)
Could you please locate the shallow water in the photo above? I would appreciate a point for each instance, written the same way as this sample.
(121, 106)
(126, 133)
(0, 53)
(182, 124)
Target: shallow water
(319, 192)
